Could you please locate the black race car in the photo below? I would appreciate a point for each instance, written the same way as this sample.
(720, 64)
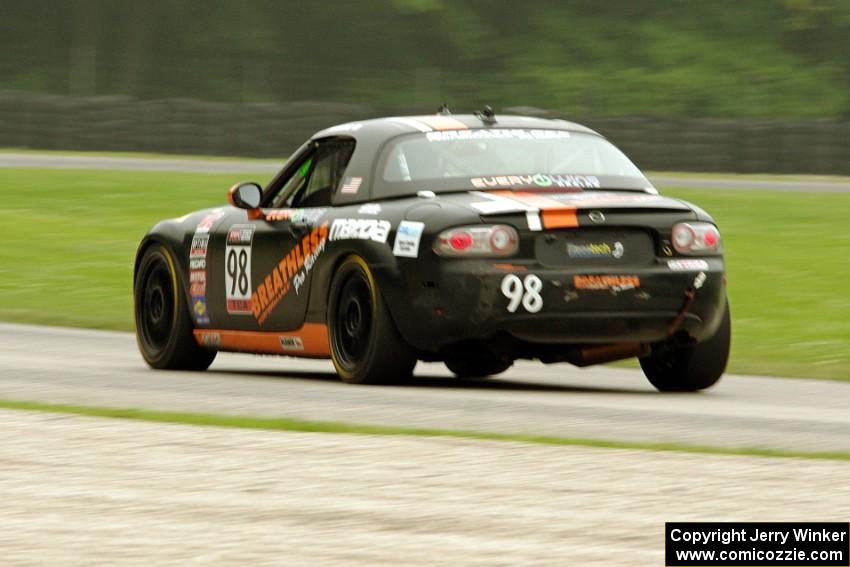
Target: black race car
(470, 239)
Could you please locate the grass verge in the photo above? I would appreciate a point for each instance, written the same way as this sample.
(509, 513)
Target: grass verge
(70, 237)
(292, 424)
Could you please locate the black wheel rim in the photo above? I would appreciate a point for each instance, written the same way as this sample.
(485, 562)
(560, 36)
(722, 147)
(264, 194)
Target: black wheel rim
(353, 320)
(156, 306)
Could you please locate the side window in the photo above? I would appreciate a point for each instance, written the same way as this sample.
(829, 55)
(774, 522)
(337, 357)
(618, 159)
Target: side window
(295, 183)
(317, 178)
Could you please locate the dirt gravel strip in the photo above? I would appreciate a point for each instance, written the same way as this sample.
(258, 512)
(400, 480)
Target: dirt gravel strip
(83, 491)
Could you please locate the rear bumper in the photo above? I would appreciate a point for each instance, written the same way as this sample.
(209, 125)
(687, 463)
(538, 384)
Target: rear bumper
(447, 302)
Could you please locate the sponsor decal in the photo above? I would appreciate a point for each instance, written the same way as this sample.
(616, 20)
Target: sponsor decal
(237, 273)
(240, 234)
(351, 185)
(199, 308)
(369, 209)
(290, 272)
(687, 265)
(360, 229)
(200, 243)
(496, 134)
(593, 250)
(211, 339)
(543, 180)
(198, 283)
(198, 266)
(407, 239)
(291, 344)
(307, 216)
(613, 283)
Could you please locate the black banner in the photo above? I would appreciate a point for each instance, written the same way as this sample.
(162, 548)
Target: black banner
(762, 544)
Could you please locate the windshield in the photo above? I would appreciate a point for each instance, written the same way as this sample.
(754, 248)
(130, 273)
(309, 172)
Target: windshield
(506, 158)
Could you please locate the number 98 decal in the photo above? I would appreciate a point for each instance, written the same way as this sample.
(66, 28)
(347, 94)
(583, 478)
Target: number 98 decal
(237, 274)
(525, 292)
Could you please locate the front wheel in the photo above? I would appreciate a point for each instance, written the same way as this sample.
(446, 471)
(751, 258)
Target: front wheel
(366, 347)
(163, 324)
(692, 367)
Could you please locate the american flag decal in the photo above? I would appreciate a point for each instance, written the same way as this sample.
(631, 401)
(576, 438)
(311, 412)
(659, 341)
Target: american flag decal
(351, 185)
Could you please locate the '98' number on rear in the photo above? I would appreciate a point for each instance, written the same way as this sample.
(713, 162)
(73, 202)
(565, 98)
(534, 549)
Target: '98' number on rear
(523, 291)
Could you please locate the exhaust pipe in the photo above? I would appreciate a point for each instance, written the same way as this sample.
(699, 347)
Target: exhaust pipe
(599, 354)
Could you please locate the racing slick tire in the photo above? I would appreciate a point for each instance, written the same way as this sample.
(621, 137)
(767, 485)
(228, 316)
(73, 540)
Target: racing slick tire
(477, 366)
(163, 322)
(366, 347)
(692, 367)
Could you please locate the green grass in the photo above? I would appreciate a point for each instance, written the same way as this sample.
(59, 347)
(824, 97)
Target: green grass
(787, 265)
(69, 237)
(292, 424)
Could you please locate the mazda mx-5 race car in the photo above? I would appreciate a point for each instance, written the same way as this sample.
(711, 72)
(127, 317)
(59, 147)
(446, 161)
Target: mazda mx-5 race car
(470, 239)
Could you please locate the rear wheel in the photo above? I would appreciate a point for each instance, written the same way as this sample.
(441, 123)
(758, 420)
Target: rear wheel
(692, 367)
(477, 366)
(366, 347)
(163, 324)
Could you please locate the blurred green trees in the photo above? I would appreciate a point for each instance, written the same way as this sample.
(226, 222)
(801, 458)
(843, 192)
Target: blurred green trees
(722, 58)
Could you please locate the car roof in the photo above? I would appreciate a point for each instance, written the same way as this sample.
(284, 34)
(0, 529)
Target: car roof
(381, 129)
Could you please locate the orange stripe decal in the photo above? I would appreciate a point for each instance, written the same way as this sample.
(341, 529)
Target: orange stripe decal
(554, 213)
(560, 218)
(311, 340)
(442, 122)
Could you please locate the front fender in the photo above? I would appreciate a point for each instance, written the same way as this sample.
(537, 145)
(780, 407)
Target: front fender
(176, 235)
(169, 233)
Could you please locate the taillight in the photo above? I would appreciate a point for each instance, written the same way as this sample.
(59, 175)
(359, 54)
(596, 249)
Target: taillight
(478, 241)
(460, 241)
(696, 238)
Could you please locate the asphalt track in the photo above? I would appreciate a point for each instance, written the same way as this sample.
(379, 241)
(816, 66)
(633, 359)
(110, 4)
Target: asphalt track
(816, 184)
(100, 368)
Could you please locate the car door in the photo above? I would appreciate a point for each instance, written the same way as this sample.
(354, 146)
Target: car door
(264, 264)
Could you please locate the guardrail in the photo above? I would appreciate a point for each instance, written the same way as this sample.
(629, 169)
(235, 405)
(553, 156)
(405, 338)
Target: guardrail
(115, 123)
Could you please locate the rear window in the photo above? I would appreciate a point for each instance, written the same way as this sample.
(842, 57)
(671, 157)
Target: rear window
(505, 157)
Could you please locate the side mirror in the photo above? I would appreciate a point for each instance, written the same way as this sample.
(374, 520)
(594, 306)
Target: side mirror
(245, 195)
